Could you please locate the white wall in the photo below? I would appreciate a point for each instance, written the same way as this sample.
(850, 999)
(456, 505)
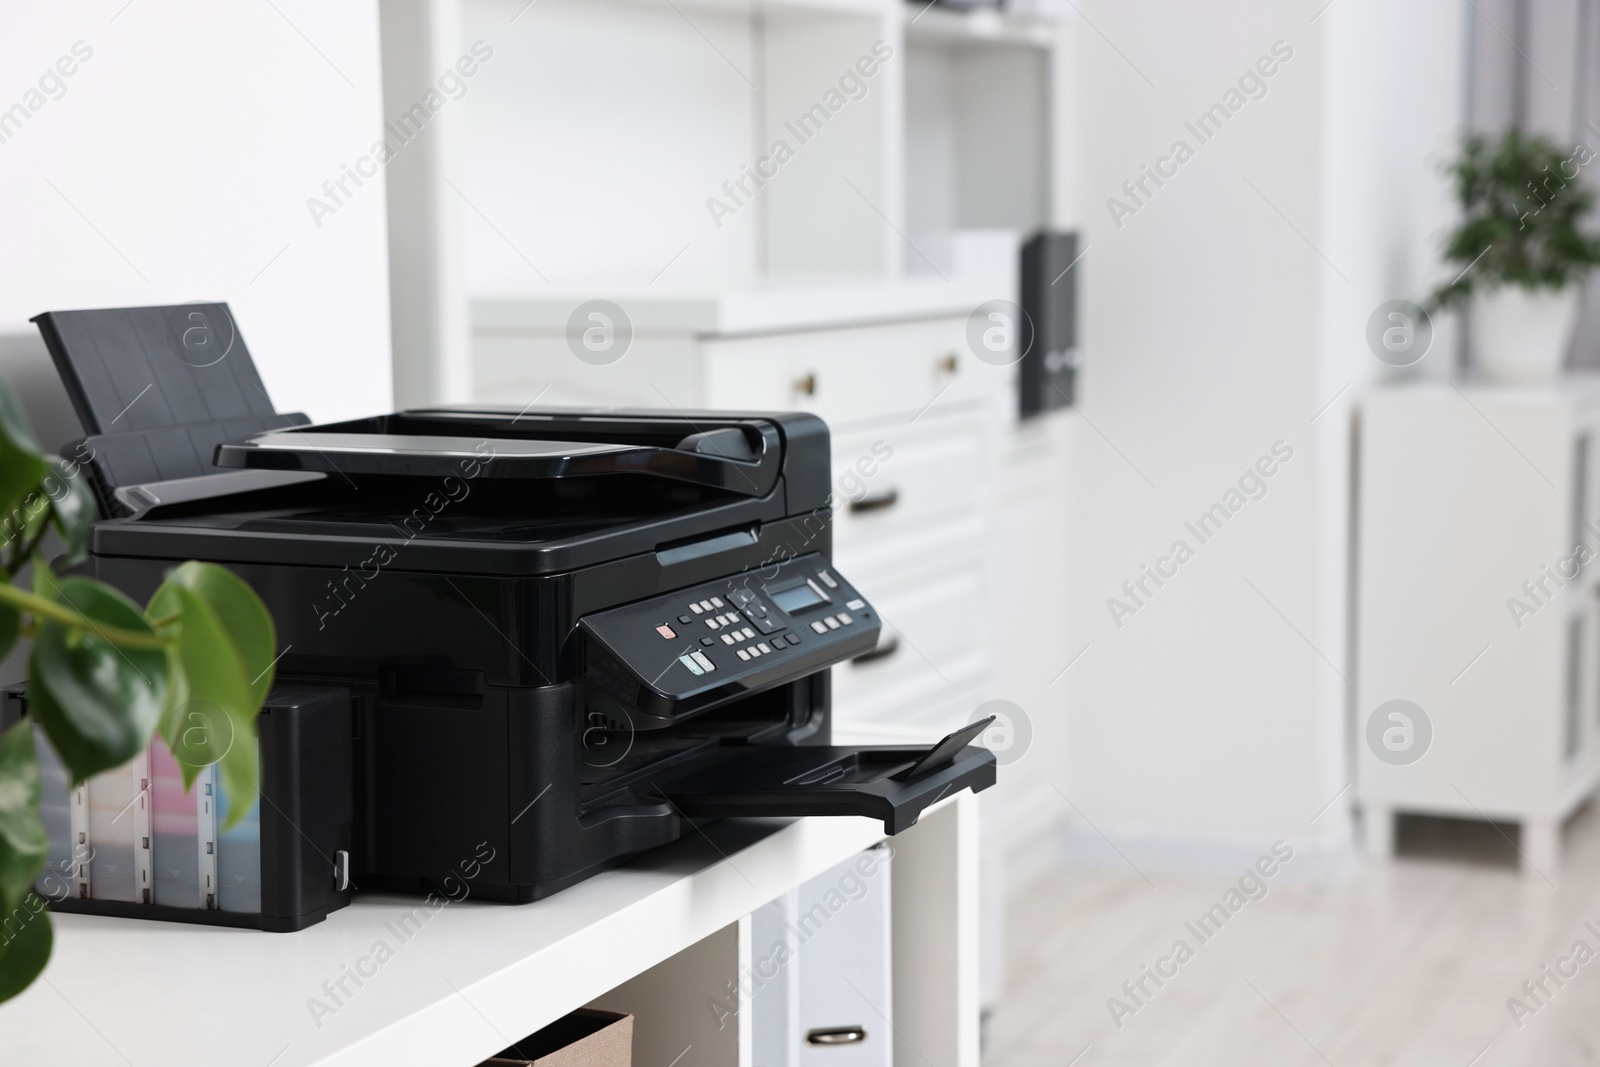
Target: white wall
(593, 139)
(1219, 319)
(176, 166)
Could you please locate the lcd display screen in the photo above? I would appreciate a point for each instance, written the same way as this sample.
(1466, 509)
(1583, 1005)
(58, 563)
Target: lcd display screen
(796, 598)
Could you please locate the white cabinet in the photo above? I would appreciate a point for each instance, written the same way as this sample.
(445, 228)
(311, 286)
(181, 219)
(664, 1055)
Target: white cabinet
(1477, 509)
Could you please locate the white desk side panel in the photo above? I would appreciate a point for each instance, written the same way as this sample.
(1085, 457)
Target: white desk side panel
(935, 937)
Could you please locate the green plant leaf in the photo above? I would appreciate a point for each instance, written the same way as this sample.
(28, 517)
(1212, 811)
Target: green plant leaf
(172, 724)
(215, 723)
(23, 844)
(242, 615)
(22, 464)
(97, 703)
(10, 625)
(72, 510)
(21, 525)
(24, 956)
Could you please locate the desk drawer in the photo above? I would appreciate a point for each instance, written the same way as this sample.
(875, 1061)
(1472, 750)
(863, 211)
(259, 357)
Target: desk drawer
(932, 627)
(919, 698)
(900, 478)
(852, 375)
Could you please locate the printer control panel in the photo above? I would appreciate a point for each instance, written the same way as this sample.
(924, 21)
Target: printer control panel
(748, 630)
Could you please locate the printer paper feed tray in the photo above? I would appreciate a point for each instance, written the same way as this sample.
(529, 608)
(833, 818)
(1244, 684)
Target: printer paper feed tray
(746, 780)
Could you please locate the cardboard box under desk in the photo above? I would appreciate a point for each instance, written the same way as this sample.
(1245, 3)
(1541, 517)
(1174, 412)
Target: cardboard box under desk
(586, 1038)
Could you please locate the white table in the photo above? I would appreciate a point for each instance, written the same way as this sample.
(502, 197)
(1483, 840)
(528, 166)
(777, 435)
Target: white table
(659, 937)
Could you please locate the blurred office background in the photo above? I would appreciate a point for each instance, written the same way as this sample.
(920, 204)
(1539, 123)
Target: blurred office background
(1162, 734)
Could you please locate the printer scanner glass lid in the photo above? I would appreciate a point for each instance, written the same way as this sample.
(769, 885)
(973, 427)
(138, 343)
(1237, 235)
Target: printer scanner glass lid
(741, 457)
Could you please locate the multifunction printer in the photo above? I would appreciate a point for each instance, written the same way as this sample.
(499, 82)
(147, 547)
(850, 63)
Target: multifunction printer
(517, 645)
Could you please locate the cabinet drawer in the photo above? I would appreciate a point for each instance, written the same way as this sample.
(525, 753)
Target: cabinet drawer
(852, 375)
(931, 638)
(875, 562)
(900, 478)
(922, 710)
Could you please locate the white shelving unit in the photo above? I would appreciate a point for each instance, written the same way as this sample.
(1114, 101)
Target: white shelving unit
(585, 153)
(1470, 498)
(659, 937)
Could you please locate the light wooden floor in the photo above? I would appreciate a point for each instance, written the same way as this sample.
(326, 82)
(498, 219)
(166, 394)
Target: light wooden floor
(1409, 963)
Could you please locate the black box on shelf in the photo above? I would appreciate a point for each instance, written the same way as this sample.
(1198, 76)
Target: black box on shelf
(1048, 373)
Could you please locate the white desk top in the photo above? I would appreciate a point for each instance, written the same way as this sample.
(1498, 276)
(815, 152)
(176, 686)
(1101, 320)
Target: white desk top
(153, 994)
(1571, 387)
(744, 311)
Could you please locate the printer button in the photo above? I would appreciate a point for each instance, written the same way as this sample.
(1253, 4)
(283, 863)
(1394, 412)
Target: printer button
(764, 647)
(833, 623)
(713, 623)
(686, 619)
(727, 639)
(708, 642)
(828, 579)
(793, 639)
(704, 661)
(697, 609)
(767, 626)
(694, 668)
(857, 604)
(743, 654)
(844, 618)
(666, 631)
(747, 633)
(716, 602)
(705, 605)
(817, 626)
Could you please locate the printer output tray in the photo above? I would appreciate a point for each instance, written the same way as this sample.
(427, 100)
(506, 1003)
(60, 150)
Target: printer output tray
(882, 783)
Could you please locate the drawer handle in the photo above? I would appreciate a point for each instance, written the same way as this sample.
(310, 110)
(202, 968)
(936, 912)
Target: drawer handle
(883, 651)
(949, 363)
(839, 1035)
(806, 386)
(875, 503)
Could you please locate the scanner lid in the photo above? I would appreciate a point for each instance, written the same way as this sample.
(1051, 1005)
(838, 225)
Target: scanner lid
(738, 455)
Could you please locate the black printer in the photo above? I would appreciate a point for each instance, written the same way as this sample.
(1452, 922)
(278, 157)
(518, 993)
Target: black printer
(517, 645)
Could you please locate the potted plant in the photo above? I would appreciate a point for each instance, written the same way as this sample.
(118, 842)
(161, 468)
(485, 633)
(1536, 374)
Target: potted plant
(104, 674)
(1520, 250)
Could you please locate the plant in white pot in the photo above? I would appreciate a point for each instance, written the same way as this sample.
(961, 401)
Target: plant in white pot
(1521, 250)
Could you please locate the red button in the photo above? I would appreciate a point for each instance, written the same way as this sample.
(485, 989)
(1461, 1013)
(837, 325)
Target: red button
(666, 631)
